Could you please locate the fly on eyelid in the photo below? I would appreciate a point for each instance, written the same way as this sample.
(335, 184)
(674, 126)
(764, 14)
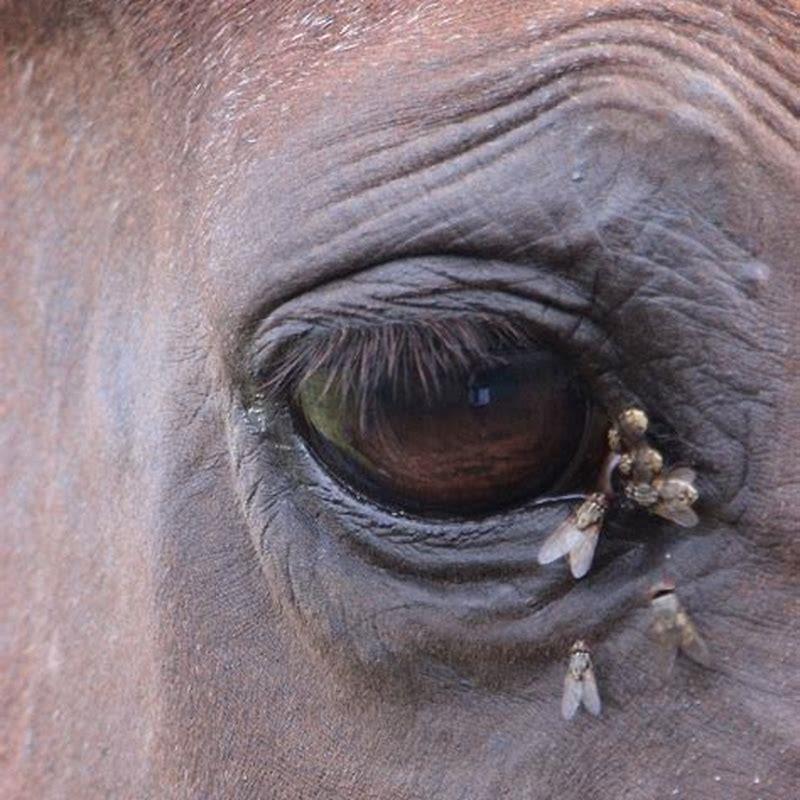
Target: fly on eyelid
(580, 683)
(576, 537)
(676, 496)
(675, 631)
(670, 495)
(641, 464)
(630, 428)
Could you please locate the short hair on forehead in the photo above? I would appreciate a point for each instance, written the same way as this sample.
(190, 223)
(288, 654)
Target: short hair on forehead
(36, 22)
(166, 26)
(40, 21)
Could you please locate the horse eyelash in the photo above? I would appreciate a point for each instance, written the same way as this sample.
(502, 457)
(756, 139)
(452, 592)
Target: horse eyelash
(402, 355)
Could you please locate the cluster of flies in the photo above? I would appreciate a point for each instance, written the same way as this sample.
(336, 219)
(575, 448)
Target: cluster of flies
(646, 483)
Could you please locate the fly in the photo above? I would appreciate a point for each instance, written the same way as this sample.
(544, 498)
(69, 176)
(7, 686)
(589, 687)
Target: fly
(674, 629)
(576, 537)
(580, 684)
(641, 464)
(676, 496)
(629, 429)
(670, 495)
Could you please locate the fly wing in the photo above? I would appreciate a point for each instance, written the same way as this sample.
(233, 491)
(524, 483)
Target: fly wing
(581, 555)
(680, 515)
(667, 654)
(693, 646)
(560, 542)
(686, 474)
(571, 699)
(591, 697)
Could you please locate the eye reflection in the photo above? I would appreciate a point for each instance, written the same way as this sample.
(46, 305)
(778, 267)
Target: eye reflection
(467, 443)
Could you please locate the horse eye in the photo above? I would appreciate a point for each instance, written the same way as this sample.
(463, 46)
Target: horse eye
(471, 443)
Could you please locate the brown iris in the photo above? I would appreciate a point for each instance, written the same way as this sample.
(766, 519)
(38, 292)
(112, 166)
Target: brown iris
(475, 441)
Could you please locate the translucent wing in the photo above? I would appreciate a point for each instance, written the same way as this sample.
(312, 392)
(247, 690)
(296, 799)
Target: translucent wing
(680, 515)
(667, 654)
(582, 553)
(591, 697)
(571, 699)
(685, 474)
(668, 639)
(693, 645)
(560, 542)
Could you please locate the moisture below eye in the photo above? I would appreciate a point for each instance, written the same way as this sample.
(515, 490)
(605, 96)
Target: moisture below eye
(468, 442)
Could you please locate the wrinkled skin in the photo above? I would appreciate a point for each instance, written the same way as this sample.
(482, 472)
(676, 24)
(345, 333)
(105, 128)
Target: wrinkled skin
(190, 615)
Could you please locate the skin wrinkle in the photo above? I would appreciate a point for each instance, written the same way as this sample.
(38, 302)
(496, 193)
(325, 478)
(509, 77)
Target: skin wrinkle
(539, 115)
(327, 239)
(551, 37)
(762, 55)
(621, 66)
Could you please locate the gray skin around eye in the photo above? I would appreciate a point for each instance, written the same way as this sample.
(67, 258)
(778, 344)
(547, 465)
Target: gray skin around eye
(192, 610)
